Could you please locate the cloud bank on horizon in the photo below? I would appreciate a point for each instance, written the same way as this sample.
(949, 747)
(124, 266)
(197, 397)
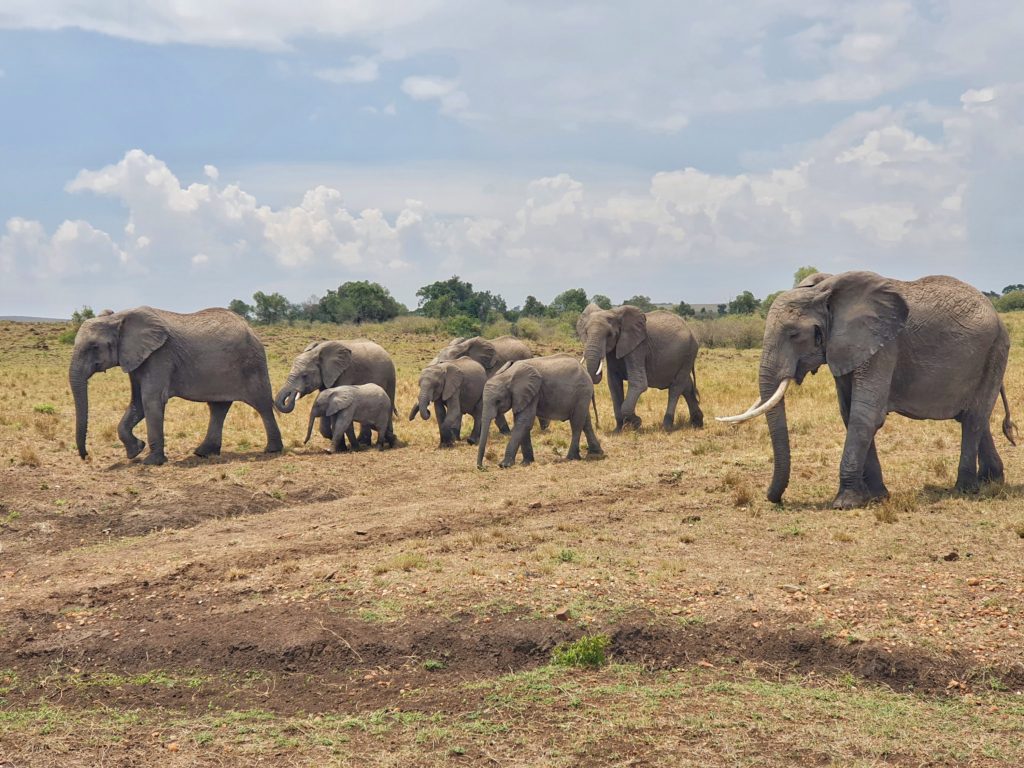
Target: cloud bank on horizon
(685, 153)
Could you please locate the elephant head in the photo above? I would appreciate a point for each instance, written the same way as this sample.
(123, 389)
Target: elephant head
(319, 366)
(513, 387)
(477, 348)
(839, 320)
(616, 331)
(441, 381)
(122, 338)
(328, 403)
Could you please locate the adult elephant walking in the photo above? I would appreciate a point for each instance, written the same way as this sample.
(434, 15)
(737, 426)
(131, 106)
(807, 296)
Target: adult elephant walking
(932, 348)
(326, 364)
(211, 356)
(646, 349)
(492, 354)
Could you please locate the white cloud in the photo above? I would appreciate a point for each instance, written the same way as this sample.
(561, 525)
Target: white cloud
(872, 193)
(211, 172)
(445, 91)
(359, 70)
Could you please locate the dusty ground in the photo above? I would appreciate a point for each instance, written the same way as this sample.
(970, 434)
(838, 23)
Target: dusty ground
(400, 608)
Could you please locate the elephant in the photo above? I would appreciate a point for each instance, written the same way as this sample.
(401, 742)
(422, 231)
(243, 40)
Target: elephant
(455, 387)
(365, 404)
(210, 356)
(326, 364)
(647, 349)
(932, 348)
(491, 354)
(554, 387)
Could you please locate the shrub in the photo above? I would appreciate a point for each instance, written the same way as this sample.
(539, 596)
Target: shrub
(527, 328)
(460, 325)
(1010, 302)
(588, 651)
(44, 408)
(738, 331)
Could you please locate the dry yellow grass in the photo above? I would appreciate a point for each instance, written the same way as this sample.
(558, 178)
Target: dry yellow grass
(669, 531)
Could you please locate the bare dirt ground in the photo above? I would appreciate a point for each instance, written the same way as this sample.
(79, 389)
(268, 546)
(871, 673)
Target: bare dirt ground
(402, 608)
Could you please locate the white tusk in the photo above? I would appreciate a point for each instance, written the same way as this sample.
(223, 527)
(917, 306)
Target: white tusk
(600, 366)
(757, 410)
(583, 362)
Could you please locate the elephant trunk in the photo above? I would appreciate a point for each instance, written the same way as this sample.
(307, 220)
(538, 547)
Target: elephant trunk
(286, 396)
(78, 378)
(313, 413)
(779, 431)
(424, 405)
(485, 429)
(593, 357)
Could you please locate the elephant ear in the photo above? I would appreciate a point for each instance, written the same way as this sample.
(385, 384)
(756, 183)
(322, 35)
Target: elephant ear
(334, 358)
(481, 350)
(142, 333)
(339, 400)
(632, 330)
(505, 367)
(526, 381)
(452, 381)
(581, 323)
(866, 312)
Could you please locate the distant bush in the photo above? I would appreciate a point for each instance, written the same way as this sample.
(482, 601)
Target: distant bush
(528, 328)
(737, 331)
(1010, 302)
(78, 317)
(461, 325)
(424, 326)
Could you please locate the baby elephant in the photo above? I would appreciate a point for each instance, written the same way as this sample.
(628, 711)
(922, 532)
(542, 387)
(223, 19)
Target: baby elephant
(455, 387)
(365, 404)
(555, 387)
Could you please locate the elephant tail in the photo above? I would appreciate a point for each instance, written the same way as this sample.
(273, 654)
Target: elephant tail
(693, 377)
(597, 419)
(1009, 428)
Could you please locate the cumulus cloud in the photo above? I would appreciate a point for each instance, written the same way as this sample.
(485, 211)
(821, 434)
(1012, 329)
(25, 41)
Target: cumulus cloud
(874, 192)
(359, 70)
(445, 91)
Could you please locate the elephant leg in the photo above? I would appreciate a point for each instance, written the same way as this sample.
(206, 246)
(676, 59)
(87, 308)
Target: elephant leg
(576, 427)
(353, 441)
(527, 449)
(866, 417)
(872, 468)
(692, 403)
(617, 393)
(215, 431)
(441, 412)
(266, 412)
(342, 426)
(381, 438)
(593, 446)
(990, 469)
(544, 424)
(970, 439)
(474, 436)
(153, 405)
(519, 436)
(325, 428)
(365, 435)
(502, 424)
(132, 416)
(669, 421)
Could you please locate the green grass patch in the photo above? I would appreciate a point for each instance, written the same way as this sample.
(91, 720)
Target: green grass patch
(588, 651)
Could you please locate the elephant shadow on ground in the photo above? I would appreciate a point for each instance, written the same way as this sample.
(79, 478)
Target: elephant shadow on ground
(932, 493)
(191, 460)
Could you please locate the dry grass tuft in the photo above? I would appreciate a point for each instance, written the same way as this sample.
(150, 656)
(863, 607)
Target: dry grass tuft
(899, 503)
(28, 457)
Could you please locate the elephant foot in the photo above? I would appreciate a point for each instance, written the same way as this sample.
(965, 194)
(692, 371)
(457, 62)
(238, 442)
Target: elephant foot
(207, 449)
(668, 424)
(155, 459)
(446, 444)
(991, 475)
(633, 422)
(967, 482)
(275, 447)
(134, 449)
(851, 498)
(505, 464)
(595, 453)
(697, 420)
(472, 440)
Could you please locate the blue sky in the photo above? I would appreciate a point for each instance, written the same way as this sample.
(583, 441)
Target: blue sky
(185, 155)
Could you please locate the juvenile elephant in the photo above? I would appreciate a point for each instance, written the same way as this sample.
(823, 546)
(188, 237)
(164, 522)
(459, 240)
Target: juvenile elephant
(555, 387)
(211, 356)
(455, 388)
(932, 348)
(652, 349)
(492, 354)
(365, 404)
(326, 364)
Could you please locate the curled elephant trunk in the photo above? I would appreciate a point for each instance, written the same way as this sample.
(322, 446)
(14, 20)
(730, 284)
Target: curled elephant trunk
(485, 429)
(424, 406)
(287, 397)
(593, 359)
(79, 382)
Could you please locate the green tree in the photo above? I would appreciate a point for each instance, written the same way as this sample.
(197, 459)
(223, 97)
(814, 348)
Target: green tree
(358, 301)
(1011, 288)
(240, 308)
(451, 297)
(79, 316)
(272, 308)
(722, 309)
(684, 310)
(573, 300)
(643, 303)
(767, 301)
(803, 273)
(601, 300)
(533, 308)
(1011, 302)
(744, 304)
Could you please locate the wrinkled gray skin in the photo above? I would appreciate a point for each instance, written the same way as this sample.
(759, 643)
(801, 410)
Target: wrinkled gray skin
(365, 404)
(492, 354)
(652, 349)
(210, 356)
(326, 364)
(555, 387)
(455, 388)
(932, 348)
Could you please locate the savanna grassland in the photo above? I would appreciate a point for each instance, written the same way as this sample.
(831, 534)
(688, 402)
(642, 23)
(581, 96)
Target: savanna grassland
(405, 608)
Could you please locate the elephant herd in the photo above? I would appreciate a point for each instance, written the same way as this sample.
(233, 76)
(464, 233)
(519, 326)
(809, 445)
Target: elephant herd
(932, 348)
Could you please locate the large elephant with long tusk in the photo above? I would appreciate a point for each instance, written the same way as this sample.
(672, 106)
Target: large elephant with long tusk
(932, 348)
(645, 349)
